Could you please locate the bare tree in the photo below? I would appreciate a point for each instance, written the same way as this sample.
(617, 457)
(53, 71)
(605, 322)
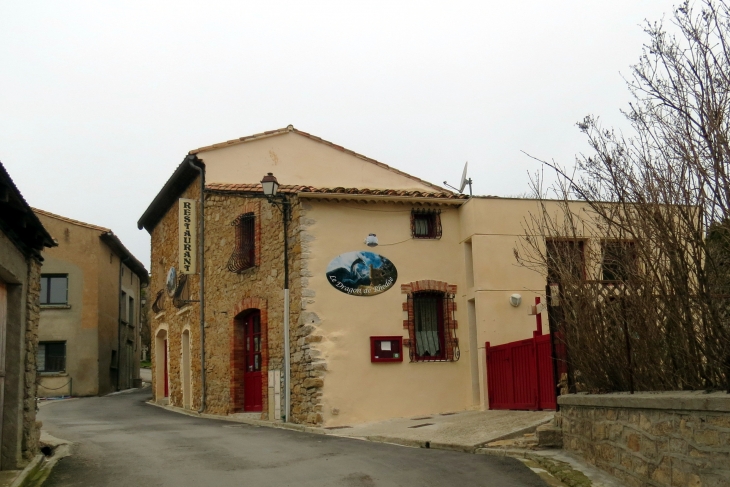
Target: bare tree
(649, 309)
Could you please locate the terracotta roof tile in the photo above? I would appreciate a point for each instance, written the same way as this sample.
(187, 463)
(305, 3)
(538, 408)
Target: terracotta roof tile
(294, 189)
(291, 128)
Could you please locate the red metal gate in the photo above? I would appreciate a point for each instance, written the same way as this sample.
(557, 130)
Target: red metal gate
(520, 375)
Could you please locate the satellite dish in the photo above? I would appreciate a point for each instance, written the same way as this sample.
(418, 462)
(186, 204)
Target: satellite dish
(462, 184)
(171, 281)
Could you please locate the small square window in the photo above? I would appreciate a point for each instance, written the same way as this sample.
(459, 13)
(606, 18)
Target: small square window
(565, 259)
(54, 289)
(51, 357)
(426, 224)
(619, 260)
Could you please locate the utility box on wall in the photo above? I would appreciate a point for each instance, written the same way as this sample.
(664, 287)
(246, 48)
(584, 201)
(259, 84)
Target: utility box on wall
(386, 349)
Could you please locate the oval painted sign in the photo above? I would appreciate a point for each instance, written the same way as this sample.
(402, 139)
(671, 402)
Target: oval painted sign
(361, 273)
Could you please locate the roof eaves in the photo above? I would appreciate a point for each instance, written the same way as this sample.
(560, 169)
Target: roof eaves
(240, 140)
(70, 220)
(127, 258)
(19, 222)
(339, 191)
(175, 185)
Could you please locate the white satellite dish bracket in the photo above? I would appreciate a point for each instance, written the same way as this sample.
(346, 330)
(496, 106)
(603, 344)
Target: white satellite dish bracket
(464, 181)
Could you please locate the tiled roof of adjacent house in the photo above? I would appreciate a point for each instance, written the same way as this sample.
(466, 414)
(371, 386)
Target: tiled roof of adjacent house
(291, 128)
(17, 220)
(294, 189)
(109, 238)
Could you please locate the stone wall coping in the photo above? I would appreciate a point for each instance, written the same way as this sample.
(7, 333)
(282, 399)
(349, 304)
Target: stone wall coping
(679, 400)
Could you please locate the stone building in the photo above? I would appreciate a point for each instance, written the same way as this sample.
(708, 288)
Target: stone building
(22, 238)
(91, 290)
(394, 330)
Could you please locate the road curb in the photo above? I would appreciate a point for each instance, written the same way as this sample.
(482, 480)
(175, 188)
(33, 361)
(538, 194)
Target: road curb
(414, 443)
(23, 479)
(597, 477)
(252, 422)
(515, 434)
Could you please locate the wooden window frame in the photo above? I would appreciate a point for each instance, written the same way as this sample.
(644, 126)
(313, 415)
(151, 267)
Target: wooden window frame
(433, 223)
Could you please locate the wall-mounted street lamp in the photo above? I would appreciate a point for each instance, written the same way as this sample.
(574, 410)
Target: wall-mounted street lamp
(270, 185)
(371, 240)
(271, 190)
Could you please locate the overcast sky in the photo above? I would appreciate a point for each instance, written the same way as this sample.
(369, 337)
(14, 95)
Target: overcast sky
(100, 101)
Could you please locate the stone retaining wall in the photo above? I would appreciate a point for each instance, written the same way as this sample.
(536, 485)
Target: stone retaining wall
(652, 439)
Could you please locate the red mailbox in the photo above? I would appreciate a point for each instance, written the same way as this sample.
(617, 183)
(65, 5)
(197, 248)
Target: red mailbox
(386, 349)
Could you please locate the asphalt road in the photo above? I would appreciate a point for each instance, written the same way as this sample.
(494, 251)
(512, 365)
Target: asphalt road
(121, 441)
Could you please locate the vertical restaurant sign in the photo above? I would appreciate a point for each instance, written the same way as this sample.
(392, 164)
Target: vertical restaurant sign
(188, 236)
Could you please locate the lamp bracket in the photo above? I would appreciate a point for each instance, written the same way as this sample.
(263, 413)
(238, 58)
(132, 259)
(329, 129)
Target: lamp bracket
(283, 204)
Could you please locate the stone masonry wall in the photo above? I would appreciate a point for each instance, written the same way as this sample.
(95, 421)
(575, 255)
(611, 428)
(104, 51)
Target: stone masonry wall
(660, 439)
(164, 245)
(31, 427)
(228, 293)
(308, 365)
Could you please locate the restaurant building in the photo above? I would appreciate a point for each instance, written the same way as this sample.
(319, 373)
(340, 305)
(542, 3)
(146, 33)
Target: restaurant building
(395, 329)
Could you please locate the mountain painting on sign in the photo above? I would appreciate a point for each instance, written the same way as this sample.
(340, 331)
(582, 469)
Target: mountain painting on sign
(361, 273)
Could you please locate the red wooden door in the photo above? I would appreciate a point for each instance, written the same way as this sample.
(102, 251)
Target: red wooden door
(252, 396)
(167, 387)
(511, 375)
(520, 375)
(545, 377)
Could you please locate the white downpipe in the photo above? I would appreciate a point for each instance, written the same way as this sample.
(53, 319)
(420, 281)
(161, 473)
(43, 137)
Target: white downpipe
(287, 360)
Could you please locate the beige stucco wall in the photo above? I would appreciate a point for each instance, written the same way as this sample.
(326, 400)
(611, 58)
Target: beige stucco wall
(356, 390)
(76, 324)
(495, 227)
(295, 159)
(89, 324)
